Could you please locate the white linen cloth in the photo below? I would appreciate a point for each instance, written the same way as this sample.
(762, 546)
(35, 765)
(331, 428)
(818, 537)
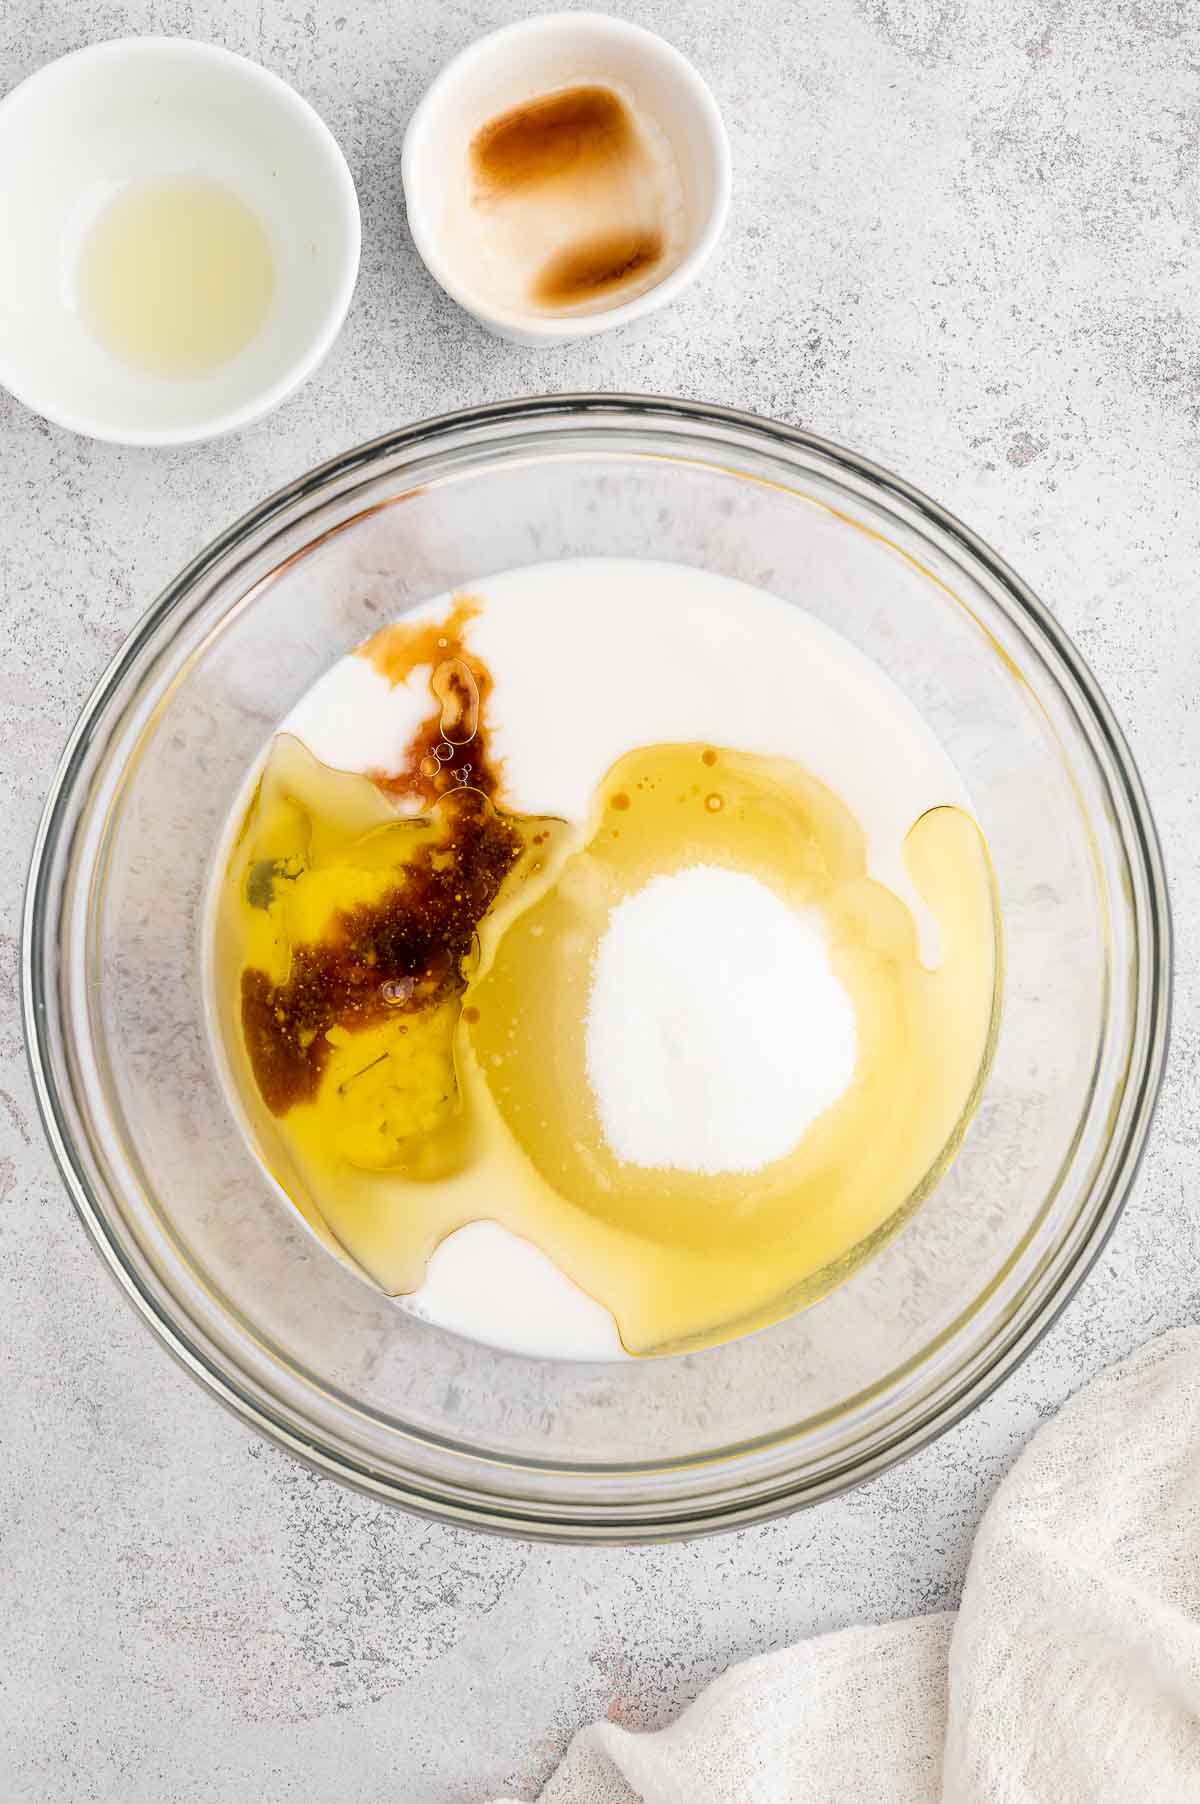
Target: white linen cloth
(1071, 1674)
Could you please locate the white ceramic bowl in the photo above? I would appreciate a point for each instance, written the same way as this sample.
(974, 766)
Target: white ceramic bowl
(81, 129)
(534, 57)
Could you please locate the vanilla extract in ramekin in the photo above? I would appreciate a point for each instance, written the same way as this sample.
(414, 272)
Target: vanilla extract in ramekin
(566, 175)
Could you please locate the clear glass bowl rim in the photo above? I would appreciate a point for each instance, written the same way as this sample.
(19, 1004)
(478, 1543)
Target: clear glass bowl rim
(950, 1400)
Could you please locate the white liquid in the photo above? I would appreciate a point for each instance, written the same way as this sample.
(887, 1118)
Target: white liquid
(713, 660)
(497, 1287)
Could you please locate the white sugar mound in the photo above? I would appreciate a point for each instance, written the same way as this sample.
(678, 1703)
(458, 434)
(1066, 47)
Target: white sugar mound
(716, 1031)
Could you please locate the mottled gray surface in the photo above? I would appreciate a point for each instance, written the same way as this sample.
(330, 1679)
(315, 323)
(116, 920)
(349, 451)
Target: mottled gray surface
(964, 240)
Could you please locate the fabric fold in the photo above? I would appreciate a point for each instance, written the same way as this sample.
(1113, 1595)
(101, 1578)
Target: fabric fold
(1075, 1664)
(1071, 1674)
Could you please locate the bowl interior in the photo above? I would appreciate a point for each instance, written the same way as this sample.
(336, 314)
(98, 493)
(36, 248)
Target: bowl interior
(81, 131)
(520, 63)
(309, 1351)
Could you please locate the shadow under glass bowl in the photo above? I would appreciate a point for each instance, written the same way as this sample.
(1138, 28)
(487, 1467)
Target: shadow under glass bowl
(300, 1346)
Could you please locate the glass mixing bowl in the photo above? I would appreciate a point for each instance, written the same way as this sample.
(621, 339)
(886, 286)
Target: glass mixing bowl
(299, 1345)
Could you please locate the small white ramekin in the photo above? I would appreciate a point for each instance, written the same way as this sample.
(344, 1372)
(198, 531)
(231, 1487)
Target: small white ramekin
(77, 132)
(537, 56)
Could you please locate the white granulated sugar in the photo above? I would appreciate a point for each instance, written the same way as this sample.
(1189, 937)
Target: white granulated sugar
(716, 1031)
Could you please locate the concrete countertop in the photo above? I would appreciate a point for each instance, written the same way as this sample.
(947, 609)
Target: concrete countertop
(964, 240)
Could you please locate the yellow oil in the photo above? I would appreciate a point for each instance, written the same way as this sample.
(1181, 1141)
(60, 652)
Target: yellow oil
(176, 276)
(682, 1258)
(472, 1100)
